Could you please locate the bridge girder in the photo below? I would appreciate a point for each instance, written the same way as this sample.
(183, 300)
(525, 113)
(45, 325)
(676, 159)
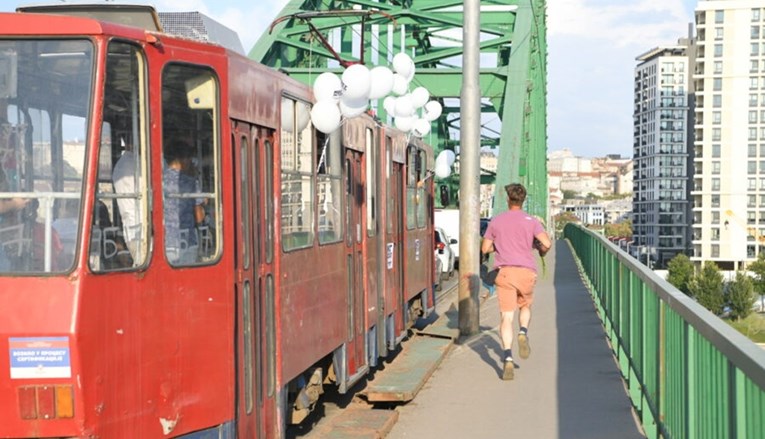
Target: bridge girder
(512, 77)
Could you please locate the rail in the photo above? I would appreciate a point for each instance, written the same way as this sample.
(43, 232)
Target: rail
(687, 373)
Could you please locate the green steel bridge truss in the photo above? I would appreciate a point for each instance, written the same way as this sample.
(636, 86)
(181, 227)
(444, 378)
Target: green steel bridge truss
(313, 36)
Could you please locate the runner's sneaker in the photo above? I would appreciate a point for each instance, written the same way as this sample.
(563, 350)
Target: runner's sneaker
(523, 343)
(509, 370)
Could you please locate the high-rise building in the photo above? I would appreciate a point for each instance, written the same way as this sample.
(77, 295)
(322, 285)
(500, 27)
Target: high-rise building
(729, 178)
(661, 210)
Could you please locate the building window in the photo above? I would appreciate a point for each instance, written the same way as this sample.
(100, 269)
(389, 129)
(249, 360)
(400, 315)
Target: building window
(715, 250)
(752, 184)
(752, 133)
(751, 201)
(717, 101)
(715, 234)
(715, 201)
(716, 117)
(751, 167)
(719, 16)
(718, 50)
(715, 168)
(752, 150)
(753, 116)
(755, 32)
(716, 184)
(754, 83)
(717, 84)
(716, 134)
(756, 14)
(754, 66)
(715, 151)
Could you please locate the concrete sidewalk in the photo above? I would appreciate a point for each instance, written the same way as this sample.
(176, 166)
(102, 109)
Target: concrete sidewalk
(570, 386)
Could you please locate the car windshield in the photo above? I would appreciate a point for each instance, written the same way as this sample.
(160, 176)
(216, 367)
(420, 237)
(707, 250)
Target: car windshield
(45, 97)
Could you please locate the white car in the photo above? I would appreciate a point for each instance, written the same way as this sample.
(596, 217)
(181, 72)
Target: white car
(444, 252)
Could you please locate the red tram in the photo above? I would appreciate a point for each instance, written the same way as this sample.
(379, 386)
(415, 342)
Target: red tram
(181, 253)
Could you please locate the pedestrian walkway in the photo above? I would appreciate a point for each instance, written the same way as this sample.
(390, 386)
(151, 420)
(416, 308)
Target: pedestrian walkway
(570, 387)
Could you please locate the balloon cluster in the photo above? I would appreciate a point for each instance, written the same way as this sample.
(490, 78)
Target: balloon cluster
(349, 95)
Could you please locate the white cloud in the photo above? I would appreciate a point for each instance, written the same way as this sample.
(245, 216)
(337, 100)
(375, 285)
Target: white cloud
(620, 23)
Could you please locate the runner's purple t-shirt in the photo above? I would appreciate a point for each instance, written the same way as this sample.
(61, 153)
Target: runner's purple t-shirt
(513, 234)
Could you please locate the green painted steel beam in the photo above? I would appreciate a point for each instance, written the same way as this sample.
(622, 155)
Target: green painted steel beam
(514, 86)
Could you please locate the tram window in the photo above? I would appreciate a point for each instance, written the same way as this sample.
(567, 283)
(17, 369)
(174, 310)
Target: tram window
(391, 196)
(371, 186)
(45, 99)
(119, 235)
(329, 170)
(423, 196)
(268, 189)
(412, 172)
(190, 175)
(297, 175)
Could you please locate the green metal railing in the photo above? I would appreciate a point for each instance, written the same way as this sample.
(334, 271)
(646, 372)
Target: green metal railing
(688, 373)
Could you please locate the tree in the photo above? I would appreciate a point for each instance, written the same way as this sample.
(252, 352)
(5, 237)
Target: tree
(758, 268)
(622, 229)
(680, 272)
(562, 219)
(741, 296)
(707, 288)
(568, 194)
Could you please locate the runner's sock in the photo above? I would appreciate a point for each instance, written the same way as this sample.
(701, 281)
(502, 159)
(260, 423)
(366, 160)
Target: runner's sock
(508, 355)
(524, 330)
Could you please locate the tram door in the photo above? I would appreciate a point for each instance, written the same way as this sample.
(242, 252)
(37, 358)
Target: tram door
(354, 237)
(397, 220)
(254, 280)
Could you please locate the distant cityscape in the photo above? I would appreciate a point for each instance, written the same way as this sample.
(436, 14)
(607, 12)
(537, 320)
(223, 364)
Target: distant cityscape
(697, 175)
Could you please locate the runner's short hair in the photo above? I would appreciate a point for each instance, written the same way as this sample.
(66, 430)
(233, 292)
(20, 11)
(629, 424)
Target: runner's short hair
(516, 194)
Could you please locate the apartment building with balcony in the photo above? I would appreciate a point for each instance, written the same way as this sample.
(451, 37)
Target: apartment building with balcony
(728, 190)
(661, 159)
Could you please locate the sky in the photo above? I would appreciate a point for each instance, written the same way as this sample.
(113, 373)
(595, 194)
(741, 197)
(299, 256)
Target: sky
(592, 45)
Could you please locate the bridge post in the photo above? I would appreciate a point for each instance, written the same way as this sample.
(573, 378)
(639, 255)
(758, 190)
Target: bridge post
(470, 151)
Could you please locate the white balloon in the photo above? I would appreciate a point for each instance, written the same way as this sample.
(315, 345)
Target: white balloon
(411, 73)
(400, 84)
(404, 107)
(442, 170)
(420, 96)
(421, 127)
(403, 65)
(448, 156)
(432, 110)
(389, 104)
(381, 79)
(326, 85)
(356, 81)
(404, 123)
(287, 119)
(353, 107)
(325, 116)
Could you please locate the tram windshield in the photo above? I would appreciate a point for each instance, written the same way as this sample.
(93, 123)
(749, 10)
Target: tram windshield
(45, 101)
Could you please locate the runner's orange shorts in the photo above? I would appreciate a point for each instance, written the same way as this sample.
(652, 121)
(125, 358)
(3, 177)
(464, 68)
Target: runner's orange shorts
(515, 287)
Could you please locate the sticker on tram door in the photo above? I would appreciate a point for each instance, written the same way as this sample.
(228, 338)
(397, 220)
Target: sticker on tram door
(416, 249)
(389, 254)
(39, 357)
